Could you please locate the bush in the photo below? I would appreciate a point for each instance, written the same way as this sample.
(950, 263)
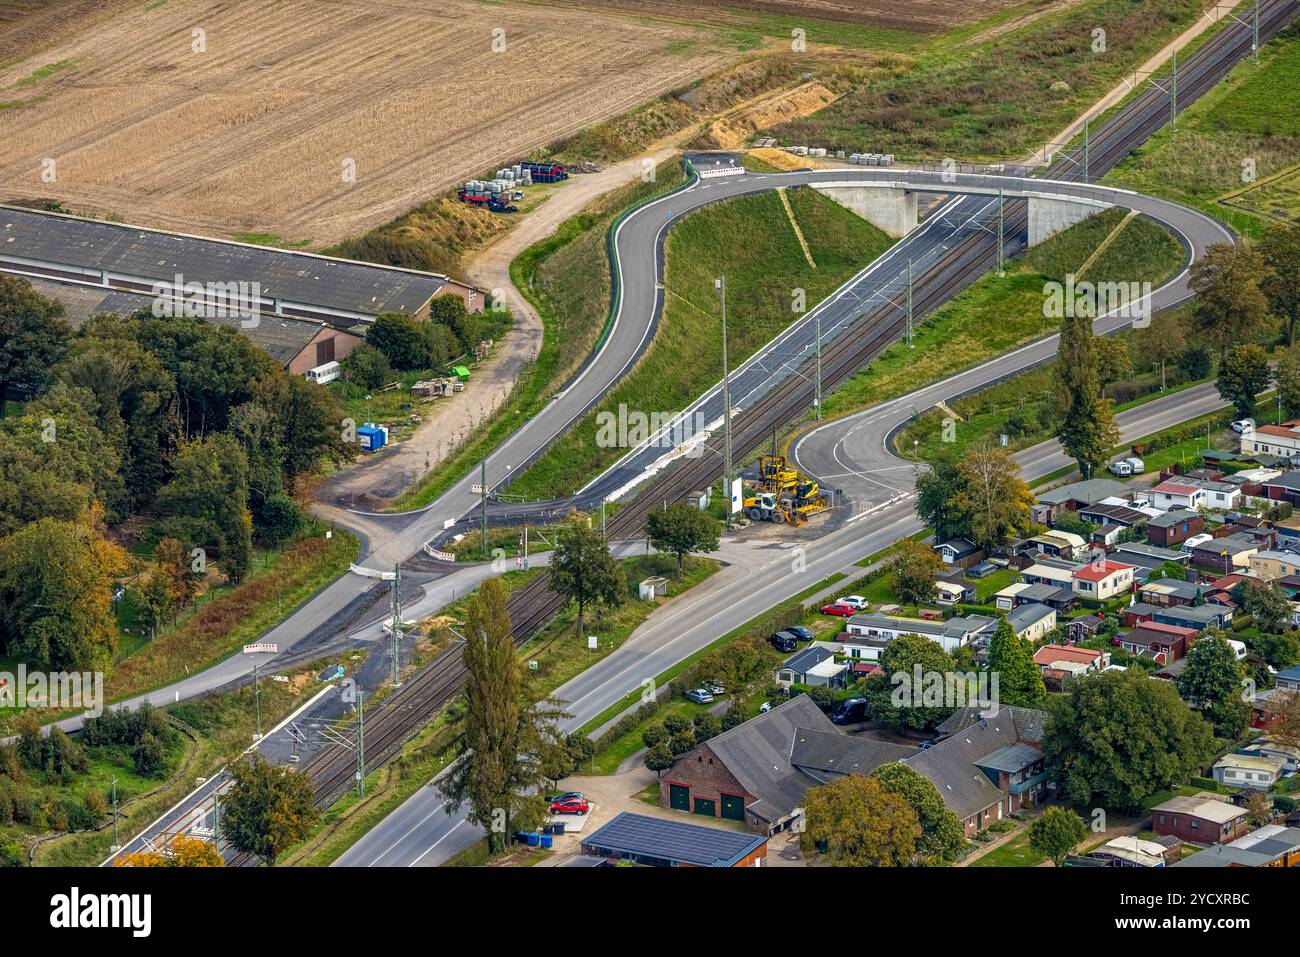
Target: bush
(681, 743)
(676, 724)
(654, 734)
(366, 367)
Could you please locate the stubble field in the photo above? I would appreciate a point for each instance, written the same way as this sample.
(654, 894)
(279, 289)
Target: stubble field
(256, 132)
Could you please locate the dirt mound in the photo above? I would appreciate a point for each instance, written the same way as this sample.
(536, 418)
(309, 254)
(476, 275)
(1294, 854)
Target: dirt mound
(735, 129)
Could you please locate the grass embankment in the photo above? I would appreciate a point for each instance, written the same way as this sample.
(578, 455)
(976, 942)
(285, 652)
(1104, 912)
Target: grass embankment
(570, 330)
(996, 314)
(224, 725)
(1250, 119)
(749, 240)
(1004, 96)
(217, 628)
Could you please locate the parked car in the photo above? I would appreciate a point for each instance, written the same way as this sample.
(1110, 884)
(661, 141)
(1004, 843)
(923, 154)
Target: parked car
(840, 609)
(714, 688)
(850, 712)
(855, 601)
(566, 796)
(1243, 426)
(800, 632)
(699, 696)
(765, 707)
(573, 805)
(926, 745)
(784, 642)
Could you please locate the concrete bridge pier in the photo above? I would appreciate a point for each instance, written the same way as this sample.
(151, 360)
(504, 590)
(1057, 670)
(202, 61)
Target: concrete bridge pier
(891, 208)
(1047, 217)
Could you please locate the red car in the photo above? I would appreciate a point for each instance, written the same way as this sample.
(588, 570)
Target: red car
(836, 608)
(571, 805)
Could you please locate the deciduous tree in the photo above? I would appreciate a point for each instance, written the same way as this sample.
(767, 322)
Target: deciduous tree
(680, 529)
(1243, 374)
(583, 570)
(508, 744)
(912, 570)
(856, 822)
(1056, 833)
(993, 496)
(942, 836)
(1280, 250)
(1230, 308)
(1164, 742)
(267, 808)
(33, 337)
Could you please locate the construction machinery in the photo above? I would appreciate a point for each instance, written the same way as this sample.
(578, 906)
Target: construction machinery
(783, 494)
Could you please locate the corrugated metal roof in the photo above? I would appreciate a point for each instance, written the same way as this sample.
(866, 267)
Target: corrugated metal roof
(158, 257)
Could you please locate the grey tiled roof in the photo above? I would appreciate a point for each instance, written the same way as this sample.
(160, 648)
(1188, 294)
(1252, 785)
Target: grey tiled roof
(951, 765)
(1090, 491)
(828, 754)
(801, 661)
(1029, 721)
(757, 753)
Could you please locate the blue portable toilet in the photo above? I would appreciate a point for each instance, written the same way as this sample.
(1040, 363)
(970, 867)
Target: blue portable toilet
(371, 438)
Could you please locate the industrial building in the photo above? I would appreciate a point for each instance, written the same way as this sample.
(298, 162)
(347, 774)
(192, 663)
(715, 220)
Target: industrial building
(297, 344)
(133, 259)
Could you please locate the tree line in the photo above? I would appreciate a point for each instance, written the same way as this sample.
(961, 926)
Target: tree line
(179, 423)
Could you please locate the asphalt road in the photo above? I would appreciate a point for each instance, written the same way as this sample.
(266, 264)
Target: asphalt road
(424, 832)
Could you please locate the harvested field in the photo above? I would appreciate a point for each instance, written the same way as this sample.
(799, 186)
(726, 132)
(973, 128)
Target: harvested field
(253, 134)
(915, 16)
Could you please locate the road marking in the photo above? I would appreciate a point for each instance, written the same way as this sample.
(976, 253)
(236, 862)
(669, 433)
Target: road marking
(408, 834)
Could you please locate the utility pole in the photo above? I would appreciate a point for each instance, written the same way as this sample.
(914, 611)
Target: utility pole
(1000, 243)
(482, 508)
(602, 516)
(257, 703)
(1254, 42)
(395, 640)
(1085, 151)
(117, 844)
(361, 743)
(721, 285)
(1173, 93)
(818, 400)
(909, 304)
(525, 548)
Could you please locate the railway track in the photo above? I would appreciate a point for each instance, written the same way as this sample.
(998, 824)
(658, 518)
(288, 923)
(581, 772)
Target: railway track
(402, 713)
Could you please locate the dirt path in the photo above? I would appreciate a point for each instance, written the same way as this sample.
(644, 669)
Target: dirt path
(1130, 83)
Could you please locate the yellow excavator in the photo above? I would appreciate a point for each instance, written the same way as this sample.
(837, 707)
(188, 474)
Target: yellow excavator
(783, 495)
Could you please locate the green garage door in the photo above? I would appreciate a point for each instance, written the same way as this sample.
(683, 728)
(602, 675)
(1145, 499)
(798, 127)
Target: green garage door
(733, 807)
(706, 807)
(679, 797)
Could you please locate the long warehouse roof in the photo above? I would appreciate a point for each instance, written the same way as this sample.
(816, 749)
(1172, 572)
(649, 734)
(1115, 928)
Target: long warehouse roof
(159, 256)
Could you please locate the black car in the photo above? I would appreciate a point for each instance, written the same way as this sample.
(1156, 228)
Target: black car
(784, 642)
(800, 632)
(850, 712)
